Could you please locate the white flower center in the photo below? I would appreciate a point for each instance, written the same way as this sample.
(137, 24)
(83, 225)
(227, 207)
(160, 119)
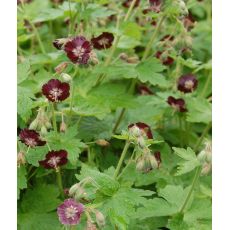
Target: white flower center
(103, 41)
(189, 84)
(55, 93)
(70, 212)
(53, 161)
(31, 142)
(79, 51)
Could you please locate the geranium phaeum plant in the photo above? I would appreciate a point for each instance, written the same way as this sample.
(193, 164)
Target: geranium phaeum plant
(114, 115)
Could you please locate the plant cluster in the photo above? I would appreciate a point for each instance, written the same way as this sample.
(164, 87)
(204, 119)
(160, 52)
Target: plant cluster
(114, 114)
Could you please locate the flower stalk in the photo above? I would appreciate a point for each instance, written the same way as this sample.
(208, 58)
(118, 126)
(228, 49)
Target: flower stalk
(123, 154)
(54, 118)
(59, 182)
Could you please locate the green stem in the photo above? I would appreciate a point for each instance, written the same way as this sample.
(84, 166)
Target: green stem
(119, 120)
(121, 159)
(152, 39)
(195, 179)
(59, 182)
(181, 131)
(38, 38)
(71, 18)
(54, 118)
(72, 97)
(202, 136)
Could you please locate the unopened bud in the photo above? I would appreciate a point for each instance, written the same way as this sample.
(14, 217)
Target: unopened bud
(63, 127)
(93, 58)
(123, 56)
(34, 124)
(61, 67)
(140, 164)
(90, 226)
(133, 60)
(66, 191)
(135, 131)
(66, 77)
(100, 219)
(59, 43)
(21, 160)
(206, 168)
(77, 191)
(43, 130)
(102, 142)
(153, 162)
(141, 141)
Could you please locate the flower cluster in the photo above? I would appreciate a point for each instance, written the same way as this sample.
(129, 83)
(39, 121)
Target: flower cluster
(79, 50)
(146, 161)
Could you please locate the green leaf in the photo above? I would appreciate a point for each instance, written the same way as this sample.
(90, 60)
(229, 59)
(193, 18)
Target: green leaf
(48, 15)
(199, 110)
(104, 183)
(131, 29)
(38, 221)
(42, 198)
(21, 178)
(190, 160)
(122, 205)
(67, 141)
(36, 154)
(23, 70)
(24, 103)
(150, 71)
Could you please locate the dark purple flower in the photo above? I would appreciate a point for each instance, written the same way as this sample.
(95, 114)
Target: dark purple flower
(54, 159)
(55, 90)
(104, 41)
(157, 155)
(187, 83)
(78, 50)
(31, 138)
(69, 212)
(177, 104)
(165, 59)
(144, 90)
(127, 3)
(143, 127)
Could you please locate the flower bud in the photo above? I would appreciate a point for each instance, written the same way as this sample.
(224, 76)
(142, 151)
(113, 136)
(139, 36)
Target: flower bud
(135, 131)
(21, 160)
(153, 162)
(77, 191)
(133, 60)
(43, 130)
(61, 67)
(102, 142)
(59, 43)
(123, 56)
(100, 219)
(206, 168)
(90, 226)
(140, 164)
(93, 58)
(34, 124)
(63, 127)
(66, 77)
(141, 141)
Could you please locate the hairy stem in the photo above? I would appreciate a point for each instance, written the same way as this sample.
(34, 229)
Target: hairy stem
(54, 118)
(59, 182)
(195, 179)
(123, 154)
(119, 120)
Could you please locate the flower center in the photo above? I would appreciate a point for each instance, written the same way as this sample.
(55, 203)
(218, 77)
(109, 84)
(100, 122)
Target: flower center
(103, 41)
(31, 142)
(53, 161)
(55, 93)
(79, 51)
(189, 84)
(70, 212)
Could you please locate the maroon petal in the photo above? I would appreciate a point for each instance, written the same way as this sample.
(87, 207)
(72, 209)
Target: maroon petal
(104, 41)
(187, 83)
(146, 128)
